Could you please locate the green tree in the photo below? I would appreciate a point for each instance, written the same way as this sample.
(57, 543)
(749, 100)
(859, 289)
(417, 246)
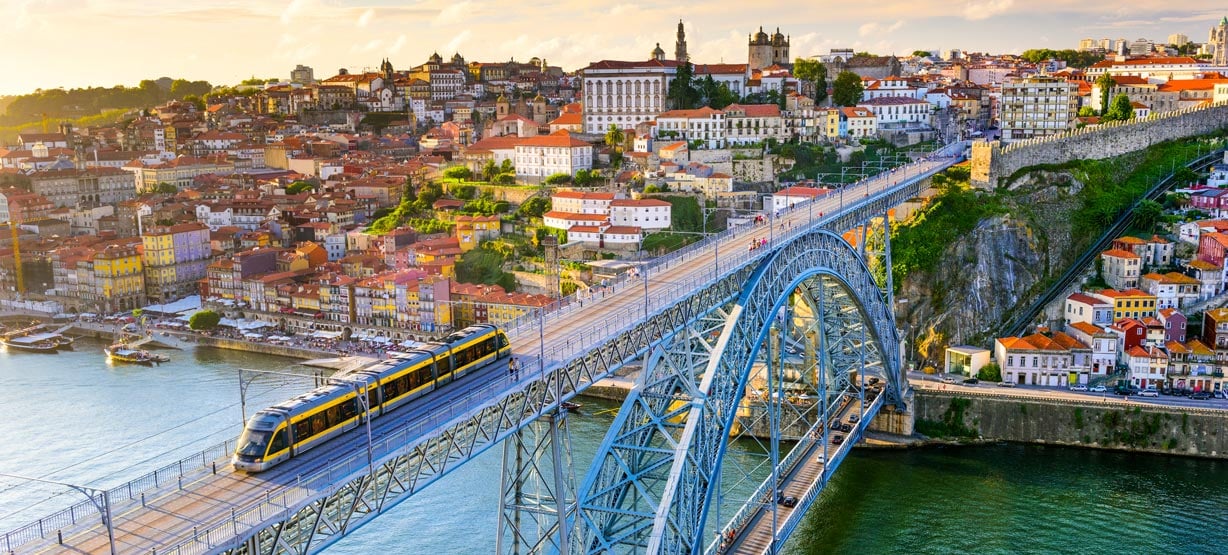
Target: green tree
(584, 177)
(682, 94)
(1105, 83)
(614, 138)
(1147, 213)
(204, 320)
(1120, 110)
(813, 72)
(991, 372)
(166, 189)
(557, 178)
(507, 167)
(1087, 112)
(458, 172)
(535, 207)
(299, 187)
(464, 192)
(847, 89)
(489, 170)
(921, 53)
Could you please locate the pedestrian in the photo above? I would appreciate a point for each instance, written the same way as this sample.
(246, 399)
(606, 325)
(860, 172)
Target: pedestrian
(511, 368)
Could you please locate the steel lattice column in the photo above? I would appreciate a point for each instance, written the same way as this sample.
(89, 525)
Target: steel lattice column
(538, 489)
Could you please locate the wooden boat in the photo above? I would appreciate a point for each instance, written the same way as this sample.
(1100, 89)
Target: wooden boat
(568, 405)
(31, 343)
(120, 352)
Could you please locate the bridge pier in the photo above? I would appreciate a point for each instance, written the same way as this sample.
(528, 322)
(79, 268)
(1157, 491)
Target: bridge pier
(537, 491)
(894, 419)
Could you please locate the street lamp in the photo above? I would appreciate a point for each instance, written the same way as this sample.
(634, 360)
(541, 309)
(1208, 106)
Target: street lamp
(100, 498)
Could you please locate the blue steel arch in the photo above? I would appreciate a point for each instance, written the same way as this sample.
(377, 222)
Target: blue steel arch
(683, 503)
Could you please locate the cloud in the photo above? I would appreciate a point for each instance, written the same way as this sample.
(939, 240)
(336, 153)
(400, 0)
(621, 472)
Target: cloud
(454, 13)
(985, 9)
(293, 9)
(397, 45)
(366, 17)
(454, 45)
(874, 28)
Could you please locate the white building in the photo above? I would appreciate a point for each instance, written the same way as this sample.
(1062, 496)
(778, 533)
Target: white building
(703, 124)
(643, 213)
(625, 93)
(754, 123)
(580, 202)
(1088, 309)
(1037, 107)
(792, 196)
(545, 155)
(892, 110)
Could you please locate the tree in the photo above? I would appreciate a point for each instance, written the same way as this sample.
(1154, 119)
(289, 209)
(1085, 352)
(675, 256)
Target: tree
(991, 372)
(1105, 83)
(584, 177)
(489, 170)
(506, 166)
(847, 89)
(614, 138)
(1087, 112)
(299, 187)
(535, 207)
(458, 172)
(921, 53)
(166, 189)
(813, 72)
(557, 178)
(464, 192)
(1147, 213)
(204, 320)
(1120, 110)
(682, 94)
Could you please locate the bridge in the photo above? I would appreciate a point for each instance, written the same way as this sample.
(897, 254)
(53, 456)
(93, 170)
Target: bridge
(766, 352)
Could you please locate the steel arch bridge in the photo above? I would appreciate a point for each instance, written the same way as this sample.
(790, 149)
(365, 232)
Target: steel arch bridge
(653, 483)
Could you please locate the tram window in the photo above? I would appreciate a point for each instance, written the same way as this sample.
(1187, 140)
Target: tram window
(318, 424)
(349, 409)
(372, 397)
(302, 429)
(334, 415)
(279, 441)
(392, 389)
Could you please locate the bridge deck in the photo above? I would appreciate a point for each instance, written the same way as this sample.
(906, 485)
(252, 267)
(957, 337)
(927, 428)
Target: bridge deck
(171, 515)
(822, 456)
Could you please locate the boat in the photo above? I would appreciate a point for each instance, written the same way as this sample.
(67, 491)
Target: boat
(31, 343)
(63, 342)
(568, 405)
(121, 352)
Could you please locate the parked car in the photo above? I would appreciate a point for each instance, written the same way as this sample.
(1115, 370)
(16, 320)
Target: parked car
(1148, 393)
(1006, 384)
(1201, 395)
(1078, 387)
(948, 379)
(1098, 389)
(971, 381)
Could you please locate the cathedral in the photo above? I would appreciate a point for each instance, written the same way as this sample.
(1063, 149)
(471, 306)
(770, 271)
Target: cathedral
(1218, 43)
(680, 54)
(767, 50)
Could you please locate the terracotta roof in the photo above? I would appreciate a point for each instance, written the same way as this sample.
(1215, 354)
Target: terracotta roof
(556, 139)
(1118, 253)
(1087, 328)
(583, 195)
(642, 202)
(755, 110)
(622, 230)
(1086, 299)
(696, 113)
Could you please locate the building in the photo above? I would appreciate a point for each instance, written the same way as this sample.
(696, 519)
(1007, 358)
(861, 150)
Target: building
(1148, 366)
(1037, 107)
(1041, 360)
(1171, 290)
(705, 125)
(302, 74)
(1215, 328)
(754, 123)
(538, 157)
(765, 51)
(84, 188)
(857, 122)
(1085, 308)
(1217, 43)
(1120, 268)
(1130, 303)
(965, 360)
(117, 280)
(644, 213)
(175, 259)
(625, 94)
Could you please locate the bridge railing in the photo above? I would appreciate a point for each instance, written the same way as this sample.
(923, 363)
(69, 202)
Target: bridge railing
(128, 493)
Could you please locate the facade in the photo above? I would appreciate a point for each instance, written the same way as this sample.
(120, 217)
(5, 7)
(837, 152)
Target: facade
(1217, 43)
(539, 157)
(1120, 268)
(625, 94)
(766, 51)
(705, 125)
(87, 188)
(118, 279)
(1130, 303)
(644, 214)
(1088, 309)
(898, 111)
(1041, 360)
(175, 259)
(1037, 107)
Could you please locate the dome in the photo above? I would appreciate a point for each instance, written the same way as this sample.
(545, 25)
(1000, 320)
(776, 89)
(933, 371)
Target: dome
(761, 36)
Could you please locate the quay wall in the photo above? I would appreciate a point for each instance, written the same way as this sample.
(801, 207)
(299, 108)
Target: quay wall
(1104, 424)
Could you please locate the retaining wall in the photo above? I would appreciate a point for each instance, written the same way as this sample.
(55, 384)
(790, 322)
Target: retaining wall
(1109, 424)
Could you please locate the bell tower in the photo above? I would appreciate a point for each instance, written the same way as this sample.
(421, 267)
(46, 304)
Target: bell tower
(680, 46)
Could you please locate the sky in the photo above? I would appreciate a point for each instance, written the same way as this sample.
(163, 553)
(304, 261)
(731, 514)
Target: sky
(75, 43)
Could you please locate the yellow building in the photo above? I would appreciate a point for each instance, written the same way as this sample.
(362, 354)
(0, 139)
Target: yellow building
(1130, 303)
(119, 278)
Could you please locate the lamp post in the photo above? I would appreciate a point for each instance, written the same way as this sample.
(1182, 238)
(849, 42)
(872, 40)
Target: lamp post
(100, 498)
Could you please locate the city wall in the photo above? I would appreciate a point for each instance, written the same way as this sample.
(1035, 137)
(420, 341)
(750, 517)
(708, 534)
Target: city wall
(992, 162)
(1108, 424)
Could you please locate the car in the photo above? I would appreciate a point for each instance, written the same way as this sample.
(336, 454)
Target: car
(1098, 389)
(1148, 393)
(971, 381)
(948, 379)
(873, 381)
(786, 500)
(837, 439)
(1006, 384)
(1201, 395)
(1078, 387)
(853, 418)
(835, 425)
(846, 427)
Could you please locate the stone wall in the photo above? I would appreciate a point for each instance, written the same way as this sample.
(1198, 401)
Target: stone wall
(1105, 424)
(264, 348)
(992, 162)
(757, 170)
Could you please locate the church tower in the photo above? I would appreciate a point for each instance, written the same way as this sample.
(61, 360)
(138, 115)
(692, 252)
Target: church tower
(680, 46)
(658, 53)
(1218, 43)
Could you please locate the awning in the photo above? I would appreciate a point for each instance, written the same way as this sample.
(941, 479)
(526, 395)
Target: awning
(326, 334)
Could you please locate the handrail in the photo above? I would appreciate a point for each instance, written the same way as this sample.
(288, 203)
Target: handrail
(1104, 401)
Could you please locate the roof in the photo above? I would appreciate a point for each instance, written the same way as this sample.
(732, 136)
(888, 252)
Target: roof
(1086, 299)
(616, 64)
(572, 216)
(583, 195)
(556, 139)
(641, 202)
(1118, 253)
(1087, 328)
(704, 112)
(755, 110)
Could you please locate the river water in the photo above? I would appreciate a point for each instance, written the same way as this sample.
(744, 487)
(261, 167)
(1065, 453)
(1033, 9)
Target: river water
(73, 417)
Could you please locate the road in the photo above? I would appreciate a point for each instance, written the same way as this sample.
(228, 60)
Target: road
(932, 382)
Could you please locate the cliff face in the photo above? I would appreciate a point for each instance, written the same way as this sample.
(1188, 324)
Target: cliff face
(983, 275)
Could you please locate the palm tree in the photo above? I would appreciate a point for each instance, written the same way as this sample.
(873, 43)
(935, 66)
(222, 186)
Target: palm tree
(614, 138)
(1106, 84)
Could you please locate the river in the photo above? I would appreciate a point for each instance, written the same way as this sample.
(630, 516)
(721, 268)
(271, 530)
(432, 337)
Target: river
(73, 417)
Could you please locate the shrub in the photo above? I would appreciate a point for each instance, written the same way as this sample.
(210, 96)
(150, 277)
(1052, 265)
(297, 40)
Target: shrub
(204, 320)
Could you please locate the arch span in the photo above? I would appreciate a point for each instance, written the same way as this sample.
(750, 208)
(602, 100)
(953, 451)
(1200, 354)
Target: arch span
(653, 482)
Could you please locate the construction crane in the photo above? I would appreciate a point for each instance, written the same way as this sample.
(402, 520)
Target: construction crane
(21, 281)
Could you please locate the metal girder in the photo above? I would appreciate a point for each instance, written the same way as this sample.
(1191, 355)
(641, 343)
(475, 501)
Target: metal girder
(537, 490)
(690, 407)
